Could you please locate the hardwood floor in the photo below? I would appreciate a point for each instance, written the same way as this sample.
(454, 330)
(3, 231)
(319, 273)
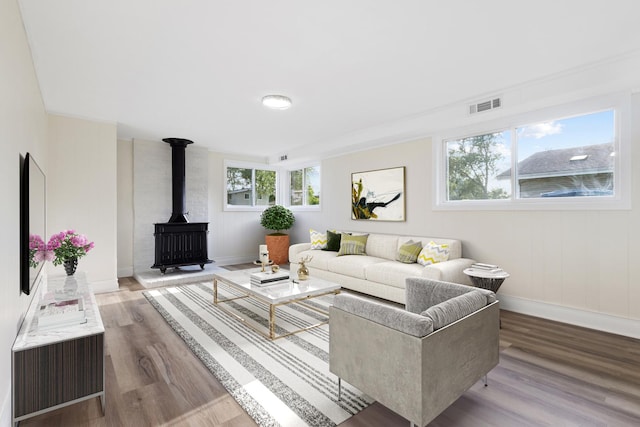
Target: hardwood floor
(550, 374)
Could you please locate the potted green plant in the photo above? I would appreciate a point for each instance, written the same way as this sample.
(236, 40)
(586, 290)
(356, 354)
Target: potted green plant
(277, 218)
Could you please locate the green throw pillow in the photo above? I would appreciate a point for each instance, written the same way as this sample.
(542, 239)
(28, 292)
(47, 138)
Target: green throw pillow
(353, 245)
(333, 241)
(408, 252)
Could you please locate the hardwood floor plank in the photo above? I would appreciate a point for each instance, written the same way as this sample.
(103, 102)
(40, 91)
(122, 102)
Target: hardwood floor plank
(550, 374)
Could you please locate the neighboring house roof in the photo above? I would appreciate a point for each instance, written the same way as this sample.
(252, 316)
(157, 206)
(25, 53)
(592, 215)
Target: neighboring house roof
(242, 190)
(558, 162)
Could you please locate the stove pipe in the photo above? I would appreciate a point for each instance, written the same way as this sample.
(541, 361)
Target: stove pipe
(178, 146)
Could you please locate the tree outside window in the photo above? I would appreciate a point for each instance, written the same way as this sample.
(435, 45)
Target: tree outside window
(304, 186)
(250, 187)
(473, 164)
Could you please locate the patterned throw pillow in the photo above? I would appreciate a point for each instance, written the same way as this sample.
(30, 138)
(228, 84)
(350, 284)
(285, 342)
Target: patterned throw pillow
(433, 253)
(353, 245)
(333, 241)
(318, 240)
(408, 252)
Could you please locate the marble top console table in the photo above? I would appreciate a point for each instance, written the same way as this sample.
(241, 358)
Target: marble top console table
(58, 366)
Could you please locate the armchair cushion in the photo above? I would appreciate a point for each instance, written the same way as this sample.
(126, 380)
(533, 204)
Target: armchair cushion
(422, 293)
(384, 314)
(454, 309)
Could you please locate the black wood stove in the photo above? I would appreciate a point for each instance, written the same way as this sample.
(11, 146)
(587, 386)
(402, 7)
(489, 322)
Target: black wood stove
(179, 242)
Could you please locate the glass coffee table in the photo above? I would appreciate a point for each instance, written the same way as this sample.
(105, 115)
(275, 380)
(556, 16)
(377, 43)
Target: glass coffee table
(274, 295)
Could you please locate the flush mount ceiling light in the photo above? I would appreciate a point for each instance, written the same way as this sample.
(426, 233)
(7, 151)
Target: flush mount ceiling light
(276, 102)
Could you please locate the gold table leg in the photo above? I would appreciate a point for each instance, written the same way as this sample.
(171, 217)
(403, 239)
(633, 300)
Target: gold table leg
(272, 311)
(272, 321)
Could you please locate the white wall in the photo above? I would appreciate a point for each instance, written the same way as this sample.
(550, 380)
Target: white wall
(125, 208)
(23, 128)
(81, 193)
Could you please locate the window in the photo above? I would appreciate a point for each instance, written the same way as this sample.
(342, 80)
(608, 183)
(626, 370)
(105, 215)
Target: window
(247, 186)
(473, 164)
(304, 186)
(567, 161)
(571, 157)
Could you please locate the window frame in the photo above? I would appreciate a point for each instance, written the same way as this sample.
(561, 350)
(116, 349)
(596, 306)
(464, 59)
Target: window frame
(253, 166)
(287, 189)
(621, 200)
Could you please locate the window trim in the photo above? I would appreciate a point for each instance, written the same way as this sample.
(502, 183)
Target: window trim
(253, 166)
(619, 103)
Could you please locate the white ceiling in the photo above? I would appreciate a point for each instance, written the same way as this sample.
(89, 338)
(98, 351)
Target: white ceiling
(197, 69)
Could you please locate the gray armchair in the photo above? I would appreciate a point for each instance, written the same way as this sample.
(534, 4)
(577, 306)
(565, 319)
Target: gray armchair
(415, 361)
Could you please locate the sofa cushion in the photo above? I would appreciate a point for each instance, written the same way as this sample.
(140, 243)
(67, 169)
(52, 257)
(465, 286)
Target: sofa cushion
(382, 246)
(392, 273)
(319, 259)
(433, 253)
(408, 252)
(353, 244)
(352, 265)
(455, 308)
(318, 240)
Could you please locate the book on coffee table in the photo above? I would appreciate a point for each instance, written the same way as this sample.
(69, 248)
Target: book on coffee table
(268, 277)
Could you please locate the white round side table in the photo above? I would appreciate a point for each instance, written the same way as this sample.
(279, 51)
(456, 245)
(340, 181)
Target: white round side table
(486, 279)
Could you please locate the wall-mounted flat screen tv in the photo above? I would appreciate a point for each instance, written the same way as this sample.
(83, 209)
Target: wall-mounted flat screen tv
(33, 214)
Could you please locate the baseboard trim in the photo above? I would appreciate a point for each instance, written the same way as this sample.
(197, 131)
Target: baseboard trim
(103, 286)
(572, 316)
(231, 260)
(125, 272)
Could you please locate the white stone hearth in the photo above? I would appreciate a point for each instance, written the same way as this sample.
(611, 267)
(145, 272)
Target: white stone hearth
(152, 278)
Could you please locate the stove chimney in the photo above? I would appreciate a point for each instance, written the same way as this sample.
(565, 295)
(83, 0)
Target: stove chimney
(178, 146)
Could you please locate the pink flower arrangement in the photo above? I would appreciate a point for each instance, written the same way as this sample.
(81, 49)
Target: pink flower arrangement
(67, 245)
(38, 251)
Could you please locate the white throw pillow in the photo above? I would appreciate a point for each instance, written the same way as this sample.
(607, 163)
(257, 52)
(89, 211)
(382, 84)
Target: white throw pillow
(318, 240)
(433, 253)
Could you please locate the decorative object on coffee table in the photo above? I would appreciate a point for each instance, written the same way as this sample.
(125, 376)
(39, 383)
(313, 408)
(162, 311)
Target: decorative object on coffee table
(303, 271)
(277, 218)
(264, 256)
(67, 247)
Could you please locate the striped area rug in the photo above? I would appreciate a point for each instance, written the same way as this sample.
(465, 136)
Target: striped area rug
(285, 382)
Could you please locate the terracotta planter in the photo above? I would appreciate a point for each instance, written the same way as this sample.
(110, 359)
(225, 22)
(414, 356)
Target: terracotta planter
(278, 246)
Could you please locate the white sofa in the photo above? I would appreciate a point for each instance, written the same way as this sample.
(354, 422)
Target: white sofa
(378, 273)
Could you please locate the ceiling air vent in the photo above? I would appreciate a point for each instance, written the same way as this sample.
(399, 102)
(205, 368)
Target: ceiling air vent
(490, 104)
